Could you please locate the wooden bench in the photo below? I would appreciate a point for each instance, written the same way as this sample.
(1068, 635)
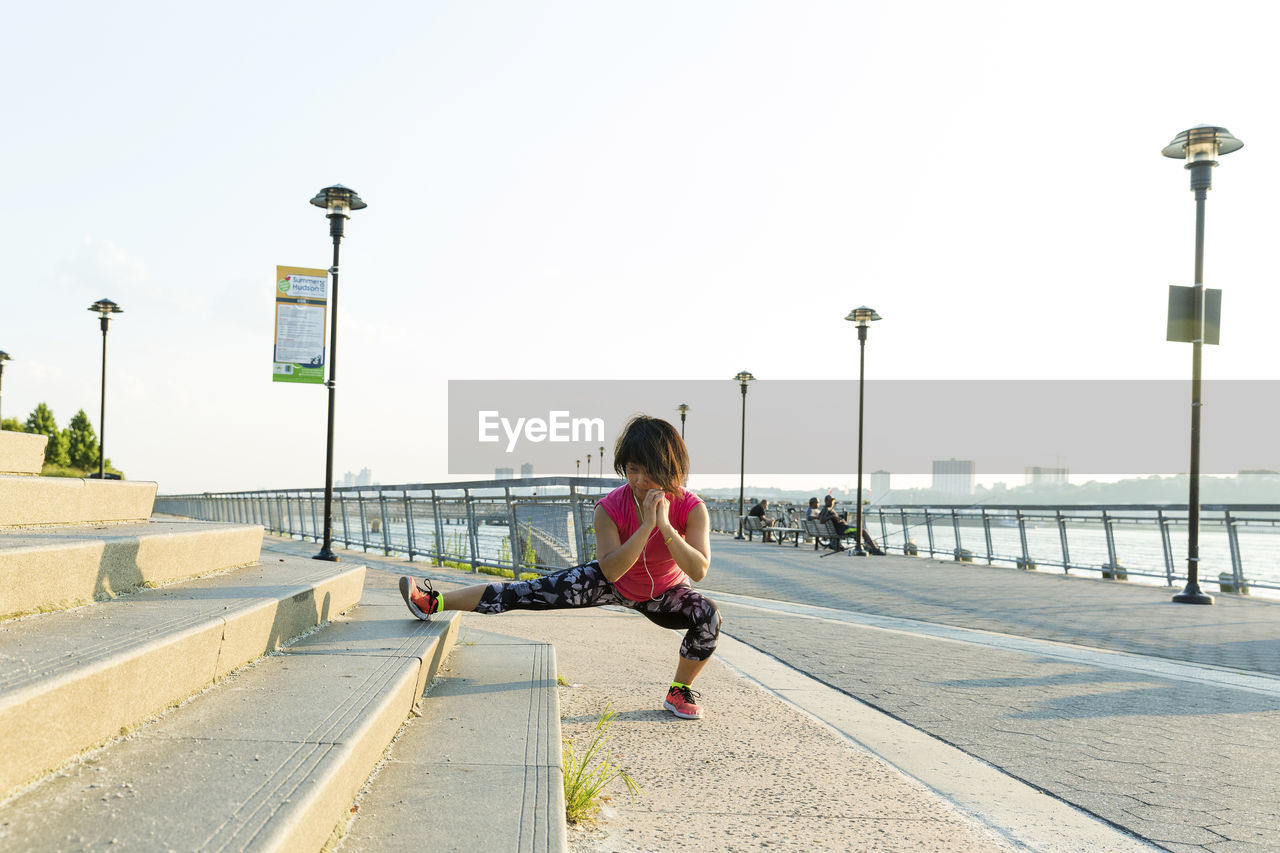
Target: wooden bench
(751, 525)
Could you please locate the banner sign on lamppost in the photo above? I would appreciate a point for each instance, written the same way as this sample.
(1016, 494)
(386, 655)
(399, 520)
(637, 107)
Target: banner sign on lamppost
(302, 299)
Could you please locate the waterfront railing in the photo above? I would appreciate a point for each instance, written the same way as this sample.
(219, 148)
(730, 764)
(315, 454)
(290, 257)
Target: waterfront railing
(546, 523)
(537, 525)
(1239, 544)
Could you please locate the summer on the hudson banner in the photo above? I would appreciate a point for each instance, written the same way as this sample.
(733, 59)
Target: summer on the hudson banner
(302, 300)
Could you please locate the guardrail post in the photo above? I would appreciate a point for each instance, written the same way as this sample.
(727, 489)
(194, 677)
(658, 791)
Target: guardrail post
(288, 512)
(1111, 545)
(986, 531)
(1062, 535)
(315, 522)
(955, 529)
(906, 540)
(579, 533)
(408, 524)
(386, 528)
(472, 530)
(341, 498)
(1022, 537)
(928, 525)
(438, 527)
(513, 533)
(884, 531)
(1168, 547)
(1233, 540)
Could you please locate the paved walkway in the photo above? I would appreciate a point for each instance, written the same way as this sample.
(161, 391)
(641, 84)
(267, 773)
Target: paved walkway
(1018, 708)
(1163, 719)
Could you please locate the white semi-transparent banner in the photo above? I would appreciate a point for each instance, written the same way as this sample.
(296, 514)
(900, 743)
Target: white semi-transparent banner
(809, 427)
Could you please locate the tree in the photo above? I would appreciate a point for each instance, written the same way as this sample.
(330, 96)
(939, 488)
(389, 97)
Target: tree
(11, 424)
(82, 442)
(42, 422)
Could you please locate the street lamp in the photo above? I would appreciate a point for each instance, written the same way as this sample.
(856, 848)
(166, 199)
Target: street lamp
(4, 356)
(588, 464)
(104, 308)
(684, 410)
(743, 378)
(1199, 146)
(863, 317)
(602, 460)
(578, 467)
(338, 201)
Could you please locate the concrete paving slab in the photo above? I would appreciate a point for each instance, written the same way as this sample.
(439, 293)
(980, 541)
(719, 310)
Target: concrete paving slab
(488, 736)
(21, 453)
(57, 568)
(76, 678)
(31, 501)
(1012, 808)
(270, 759)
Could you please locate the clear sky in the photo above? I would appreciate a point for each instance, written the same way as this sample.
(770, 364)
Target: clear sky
(588, 190)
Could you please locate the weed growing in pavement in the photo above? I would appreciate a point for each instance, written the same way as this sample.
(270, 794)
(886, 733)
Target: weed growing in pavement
(588, 774)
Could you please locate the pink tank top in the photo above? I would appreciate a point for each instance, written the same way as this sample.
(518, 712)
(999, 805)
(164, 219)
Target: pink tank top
(656, 570)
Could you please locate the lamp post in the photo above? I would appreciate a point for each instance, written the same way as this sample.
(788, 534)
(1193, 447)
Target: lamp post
(684, 410)
(4, 356)
(104, 308)
(577, 467)
(588, 464)
(338, 202)
(863, 317)
(743, 378)
(602, 460)
(1199, 146)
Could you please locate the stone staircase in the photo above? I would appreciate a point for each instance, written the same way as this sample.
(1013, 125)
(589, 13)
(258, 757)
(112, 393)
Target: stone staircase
(169, 685)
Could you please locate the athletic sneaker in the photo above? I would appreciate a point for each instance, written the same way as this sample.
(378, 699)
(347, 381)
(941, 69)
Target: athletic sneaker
(680, 701)
(422, 602)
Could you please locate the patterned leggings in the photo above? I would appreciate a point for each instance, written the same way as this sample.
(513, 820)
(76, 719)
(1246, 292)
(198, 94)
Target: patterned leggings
(585, 586)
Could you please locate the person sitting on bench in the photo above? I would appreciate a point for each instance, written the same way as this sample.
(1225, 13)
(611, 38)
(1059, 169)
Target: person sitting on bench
(829, 514)
(759, 512)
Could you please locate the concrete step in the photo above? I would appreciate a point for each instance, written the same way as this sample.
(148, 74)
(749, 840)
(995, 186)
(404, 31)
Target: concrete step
(270, 759)
(73, 679)
(62, 500)
(21, 453)
(480, 770)
(43, 569)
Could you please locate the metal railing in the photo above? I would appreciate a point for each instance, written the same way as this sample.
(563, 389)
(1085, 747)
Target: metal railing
(537, 525)
(1114, 541)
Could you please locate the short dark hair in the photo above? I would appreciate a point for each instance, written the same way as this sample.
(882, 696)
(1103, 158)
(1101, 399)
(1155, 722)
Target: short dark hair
(655, 446)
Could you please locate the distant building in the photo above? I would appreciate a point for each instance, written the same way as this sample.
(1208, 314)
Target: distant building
(364, 478)
(348, 479)
(526, 471)
(504, 473)
(953, 476)
(879, 486)
(1034, 475)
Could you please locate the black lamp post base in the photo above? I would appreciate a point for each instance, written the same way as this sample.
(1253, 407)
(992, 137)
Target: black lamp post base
(1191, 594)
(327, 554)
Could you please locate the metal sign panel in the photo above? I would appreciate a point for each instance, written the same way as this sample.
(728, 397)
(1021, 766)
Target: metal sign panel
(1182, 314)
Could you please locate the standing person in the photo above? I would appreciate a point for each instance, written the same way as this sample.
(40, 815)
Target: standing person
(652, 543)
